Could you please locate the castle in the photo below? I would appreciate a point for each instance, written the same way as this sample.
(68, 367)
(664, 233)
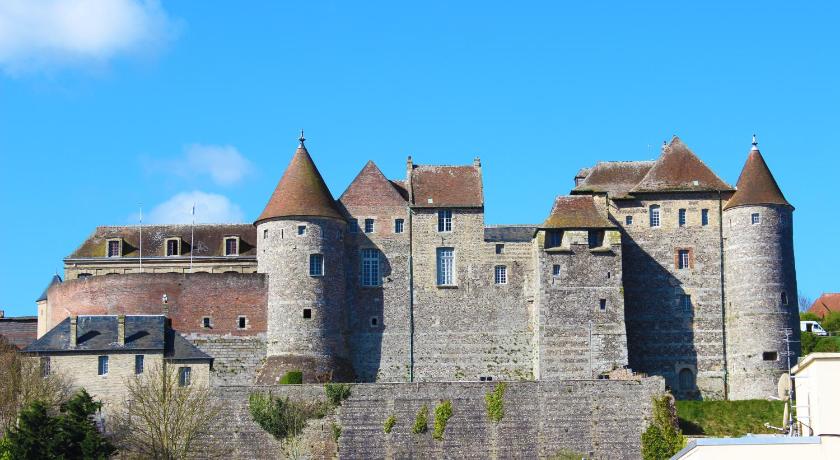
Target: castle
(657, 266)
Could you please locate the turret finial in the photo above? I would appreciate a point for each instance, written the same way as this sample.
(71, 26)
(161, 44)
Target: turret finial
(754, 143)
(301, 138)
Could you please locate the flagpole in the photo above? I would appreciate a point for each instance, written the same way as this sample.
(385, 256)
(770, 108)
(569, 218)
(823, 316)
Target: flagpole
(192, 238)
(141, 237)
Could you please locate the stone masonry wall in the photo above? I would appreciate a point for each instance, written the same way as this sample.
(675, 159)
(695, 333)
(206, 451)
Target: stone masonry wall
(568, 302)
(663, 338)
(601, 418)
(235, 359)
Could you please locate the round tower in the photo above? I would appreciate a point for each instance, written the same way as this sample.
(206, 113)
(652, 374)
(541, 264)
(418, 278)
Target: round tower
(300, 247)
(760, 283)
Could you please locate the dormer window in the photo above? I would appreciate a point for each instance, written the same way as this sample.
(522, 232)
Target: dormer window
(173, 247)
(114, 246)
(553, 238)
(596, 239)
(232, 246)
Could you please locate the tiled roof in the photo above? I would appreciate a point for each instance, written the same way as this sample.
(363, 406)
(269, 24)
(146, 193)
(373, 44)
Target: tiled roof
(679, 170)
(19, 331)
(209, 240)
(509, 233)
(435, 186)
(756, 185)
(301, 192)
(99, 333)
(53, 281)
(370, 187)
(616, 178)
(576, 211)
(825, 304)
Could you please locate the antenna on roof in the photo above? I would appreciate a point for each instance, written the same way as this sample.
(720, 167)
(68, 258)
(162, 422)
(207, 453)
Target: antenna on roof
(754, 143)
(301, 138)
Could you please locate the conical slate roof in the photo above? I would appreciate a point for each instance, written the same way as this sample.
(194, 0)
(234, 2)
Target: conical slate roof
(679, 170)
(371, 188)
(301, 191)
(756, 184)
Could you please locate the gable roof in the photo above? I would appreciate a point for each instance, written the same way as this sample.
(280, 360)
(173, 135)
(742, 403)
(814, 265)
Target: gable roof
(208, 242)
(371, 188)
(19, 331)
(437, 186)
(756, 184)
(576, 211)
(53, 281)
(679, 170)
(616, 178)
(825, 304)
(301, 191)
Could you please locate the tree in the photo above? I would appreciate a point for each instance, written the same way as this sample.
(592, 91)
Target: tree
(22, 381)
(162, 420)
(831, 321)
(804, 302)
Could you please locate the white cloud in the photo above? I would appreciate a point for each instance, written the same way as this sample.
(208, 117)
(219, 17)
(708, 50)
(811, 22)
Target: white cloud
(222, 163)
(43, 34)
(209, 208)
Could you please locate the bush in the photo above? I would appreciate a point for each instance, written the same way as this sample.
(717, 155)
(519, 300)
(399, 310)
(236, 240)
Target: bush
(808, 316)
(831, 321)
(442, 414)
(808, 341)
(292, 378)
(389, 424)
(337, 392)
(421, 423)
(827, 345)
(282, 418)
(662, 439)
(495, 403)
(336, 431)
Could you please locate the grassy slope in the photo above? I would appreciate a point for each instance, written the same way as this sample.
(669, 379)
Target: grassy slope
(728, 418)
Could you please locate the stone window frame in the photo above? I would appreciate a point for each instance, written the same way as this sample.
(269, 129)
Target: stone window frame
(119, 247)
(655, 213)
(399, 225)
(500, 248)
(265, 233)
(316, 256)
(370, 225)
(628, 220)
(241, 322)
(184, 376)
(682, 218)
(677, 260)
(139, 364)
(102, 364)
(595, 238)
(442, 270)
(500, 275)
(704, 217)
(177, 240)
(225, 245)
(206, 322)
(679, 368)
(444, 220)
(352, 225)
(602, 305)
(770, 354)
(550, 236)
(373, 278)
(307, 313)
(556, 271)
(755, 218)
(301, 230)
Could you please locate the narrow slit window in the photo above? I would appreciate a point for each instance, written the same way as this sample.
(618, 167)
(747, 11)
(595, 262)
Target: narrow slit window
(784, 298)
(139, 364)
(103, 365)
(374, 321)
(265, 234)
(704, 217)
(681, 217)
(241, 322)
(602, 304)
(205, 322)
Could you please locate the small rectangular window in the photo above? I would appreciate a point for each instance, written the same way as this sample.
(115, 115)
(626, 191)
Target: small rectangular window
(628, 220)
(205, 322)
(602, 304)
(500, 249)
(139, 363)
(654, 216)
(681, 216)
(756, 218)
(232, 246)
(501, 274)
(172, 247)
(316, 265)
(704, 217)
(353, 226)
(241, 321)
(770, 356)
(553, 239)
(555, 271)
(784, 298)
(301, 230)
(445, 266)
(445, 220)
(184, 376)
(114, 248)
(370, 267)
(398, 225)
(103, 365)
(307, 313)
(368, 225)
(374, 321)
(683, 259)
(685, 303)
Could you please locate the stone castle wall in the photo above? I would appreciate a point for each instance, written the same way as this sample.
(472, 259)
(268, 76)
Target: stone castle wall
(759, 271)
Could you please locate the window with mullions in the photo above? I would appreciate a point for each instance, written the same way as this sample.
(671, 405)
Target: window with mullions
(398, 225)
(681, 217)
(445, 220)
(654, 216)
(445, 266)
(316, 265)
(103, 365)
(368, 225)
(172, 248)
(683, 259)
(370, 267)
(501, 274)
(704, 217)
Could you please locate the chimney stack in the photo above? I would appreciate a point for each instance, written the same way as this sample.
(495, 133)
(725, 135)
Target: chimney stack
(2, 314)
(121, 329)
(73, 330)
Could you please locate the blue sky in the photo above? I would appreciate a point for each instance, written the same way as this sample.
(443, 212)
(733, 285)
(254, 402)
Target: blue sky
(132, 102)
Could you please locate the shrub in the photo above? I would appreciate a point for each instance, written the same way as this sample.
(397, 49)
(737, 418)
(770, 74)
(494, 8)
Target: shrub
(808, 316)
(292, 378)
(442, 414)
(282, 418)
(831, 321)
(808, 341)
(662, 439)
(495, 403)
(337, 392)
(389, 424)
(336, 431)
(826, 344)
(421, 423)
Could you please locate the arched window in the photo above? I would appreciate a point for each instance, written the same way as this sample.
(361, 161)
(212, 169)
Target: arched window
(686, 379)
(654, 215)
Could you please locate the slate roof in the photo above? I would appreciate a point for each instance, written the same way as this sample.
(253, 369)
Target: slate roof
(180, 349)
(825, 304)
(679, 170)
(53, 281)
(577, 211)
(509, 233)
(756, 185)
(301, 192)
(436, 186)
(209, 240)
(19, 331)
(371, 187)
(615, 178)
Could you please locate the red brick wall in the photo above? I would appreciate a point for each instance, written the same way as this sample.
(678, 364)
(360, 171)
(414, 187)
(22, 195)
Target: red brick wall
(221, 296)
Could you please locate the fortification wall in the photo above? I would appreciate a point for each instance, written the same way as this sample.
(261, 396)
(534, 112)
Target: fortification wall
(602, 418)
(663, 337)
(235, 358)
(222, 297)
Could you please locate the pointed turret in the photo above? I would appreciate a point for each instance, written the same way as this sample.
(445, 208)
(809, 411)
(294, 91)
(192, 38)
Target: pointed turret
(756, 185)
(679, 170)
(301, 191)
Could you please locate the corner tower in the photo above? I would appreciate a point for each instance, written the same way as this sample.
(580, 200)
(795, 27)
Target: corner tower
(300, 246)
(760, 277)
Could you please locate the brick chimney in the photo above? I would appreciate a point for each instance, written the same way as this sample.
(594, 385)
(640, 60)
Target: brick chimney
(73, 330)
(121, 329)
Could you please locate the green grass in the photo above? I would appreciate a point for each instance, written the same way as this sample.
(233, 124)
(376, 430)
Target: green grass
(728, 418)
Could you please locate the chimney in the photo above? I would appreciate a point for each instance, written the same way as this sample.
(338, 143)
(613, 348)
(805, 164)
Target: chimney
(73, 330)
(477, 162)
(121, 329)
(2, 314)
